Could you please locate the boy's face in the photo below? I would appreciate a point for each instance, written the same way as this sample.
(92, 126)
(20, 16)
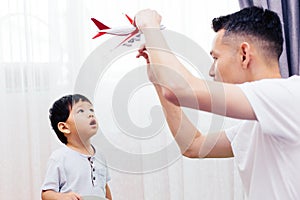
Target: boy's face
(82, 120)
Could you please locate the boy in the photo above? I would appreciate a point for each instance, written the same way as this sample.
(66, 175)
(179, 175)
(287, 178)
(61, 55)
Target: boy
(75, 169)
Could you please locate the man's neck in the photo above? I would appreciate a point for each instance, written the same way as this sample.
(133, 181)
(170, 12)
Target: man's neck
(265, 72)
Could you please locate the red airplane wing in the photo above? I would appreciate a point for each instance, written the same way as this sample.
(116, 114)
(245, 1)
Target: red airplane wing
(130, 20)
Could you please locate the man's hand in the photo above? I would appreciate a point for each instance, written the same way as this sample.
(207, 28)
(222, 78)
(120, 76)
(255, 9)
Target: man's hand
(147, 19)
(142, 52)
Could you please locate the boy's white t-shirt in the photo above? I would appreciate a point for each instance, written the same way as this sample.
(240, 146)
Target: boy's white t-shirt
(267, 151)
(69, 170)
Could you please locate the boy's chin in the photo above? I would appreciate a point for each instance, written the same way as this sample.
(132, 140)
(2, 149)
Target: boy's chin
(93, 133)
(88, 135)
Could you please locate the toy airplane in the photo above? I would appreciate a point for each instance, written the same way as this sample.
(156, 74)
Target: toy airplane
(132, 32)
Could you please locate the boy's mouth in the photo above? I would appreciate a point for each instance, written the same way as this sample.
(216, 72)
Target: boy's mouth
(93, 122)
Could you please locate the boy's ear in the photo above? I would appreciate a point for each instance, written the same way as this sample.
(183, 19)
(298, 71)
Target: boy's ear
(63, 127)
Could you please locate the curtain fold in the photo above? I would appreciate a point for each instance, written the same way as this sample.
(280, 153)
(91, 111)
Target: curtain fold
(288, 11)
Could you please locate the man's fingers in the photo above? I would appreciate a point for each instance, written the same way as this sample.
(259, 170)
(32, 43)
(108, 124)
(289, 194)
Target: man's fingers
(142, 48)
(144, 54)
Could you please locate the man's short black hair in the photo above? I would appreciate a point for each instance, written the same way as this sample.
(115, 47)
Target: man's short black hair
(60, 111)
(261, 24)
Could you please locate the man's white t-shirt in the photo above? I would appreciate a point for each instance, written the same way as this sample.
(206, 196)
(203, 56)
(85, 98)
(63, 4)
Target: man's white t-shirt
(267, 151)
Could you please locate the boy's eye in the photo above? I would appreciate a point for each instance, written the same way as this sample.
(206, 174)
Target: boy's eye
(92, 110)
(80, 111)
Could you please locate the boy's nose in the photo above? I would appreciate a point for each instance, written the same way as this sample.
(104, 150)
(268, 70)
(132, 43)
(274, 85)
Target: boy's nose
(212, 71)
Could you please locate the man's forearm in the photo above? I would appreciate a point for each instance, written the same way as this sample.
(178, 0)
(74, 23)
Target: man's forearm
(183, 131)
(179, 86)
(167, 69)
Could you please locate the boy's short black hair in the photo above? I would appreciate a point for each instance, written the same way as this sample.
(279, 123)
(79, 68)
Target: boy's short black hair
(262, 24)
(60, 111)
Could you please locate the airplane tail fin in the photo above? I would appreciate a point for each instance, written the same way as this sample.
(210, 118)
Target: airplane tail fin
(100, 26)
(99, 34)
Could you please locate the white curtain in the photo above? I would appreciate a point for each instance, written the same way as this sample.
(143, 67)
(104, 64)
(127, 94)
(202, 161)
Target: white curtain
(43, 46)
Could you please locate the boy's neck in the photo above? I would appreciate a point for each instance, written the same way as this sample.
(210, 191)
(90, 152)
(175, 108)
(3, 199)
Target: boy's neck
(83, 149)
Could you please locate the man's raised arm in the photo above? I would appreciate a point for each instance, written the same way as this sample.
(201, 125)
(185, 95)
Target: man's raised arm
(179, 86)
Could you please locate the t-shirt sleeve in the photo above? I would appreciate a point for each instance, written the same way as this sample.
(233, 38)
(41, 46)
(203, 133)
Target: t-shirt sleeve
(103, 162)
(108, 178)
(231, 132)
(273, 102)
(54, 176)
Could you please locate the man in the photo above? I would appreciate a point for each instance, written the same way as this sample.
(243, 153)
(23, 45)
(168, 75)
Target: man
(246, 50)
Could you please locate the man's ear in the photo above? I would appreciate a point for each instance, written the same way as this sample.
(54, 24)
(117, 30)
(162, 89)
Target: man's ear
(63, 127)
(245, 54)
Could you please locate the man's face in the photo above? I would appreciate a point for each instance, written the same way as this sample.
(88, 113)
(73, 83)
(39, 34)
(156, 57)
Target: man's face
(82, 120)
(227, 61)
